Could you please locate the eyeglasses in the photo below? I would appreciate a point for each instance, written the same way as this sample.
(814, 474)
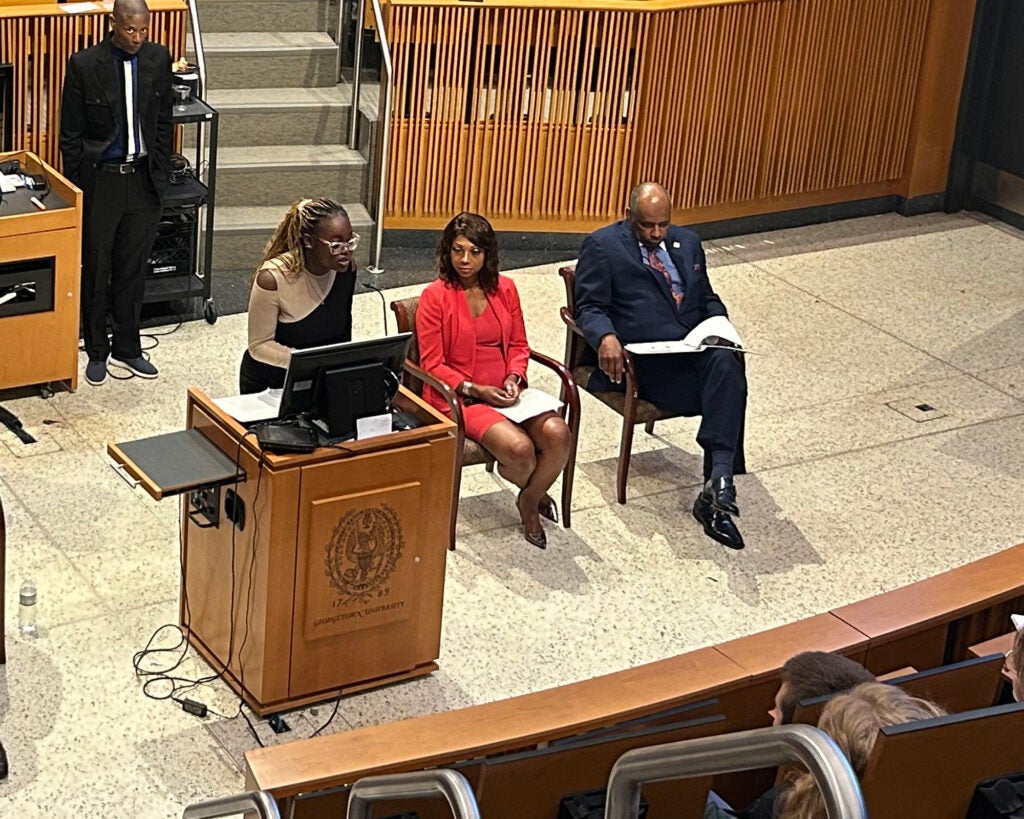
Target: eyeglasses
(338, 247)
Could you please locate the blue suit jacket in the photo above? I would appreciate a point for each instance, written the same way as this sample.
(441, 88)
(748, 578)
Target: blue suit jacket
(617, 293)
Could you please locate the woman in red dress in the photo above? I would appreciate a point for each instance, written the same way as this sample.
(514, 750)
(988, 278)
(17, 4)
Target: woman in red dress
(471, 335)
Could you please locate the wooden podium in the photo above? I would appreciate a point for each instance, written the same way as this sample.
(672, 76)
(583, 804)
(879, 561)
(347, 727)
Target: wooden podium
(324, 572)
(40, 274)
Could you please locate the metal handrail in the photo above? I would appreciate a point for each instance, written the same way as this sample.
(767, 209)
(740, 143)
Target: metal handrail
(383, 122)
(357, 76)
(452, 785)
(742, 751)
(260, 801)
(379, 163)
(197, 43)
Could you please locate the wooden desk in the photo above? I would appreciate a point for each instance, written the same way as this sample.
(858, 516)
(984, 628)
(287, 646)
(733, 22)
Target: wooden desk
(43, 247)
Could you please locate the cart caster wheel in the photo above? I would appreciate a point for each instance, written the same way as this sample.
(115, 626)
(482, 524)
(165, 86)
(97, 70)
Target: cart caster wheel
(210, 313)
(45, 391)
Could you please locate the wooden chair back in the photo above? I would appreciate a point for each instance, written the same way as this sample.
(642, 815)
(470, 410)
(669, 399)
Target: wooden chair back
(532, 783)
(930, 767)
(405, 316)
(957, 687)
(333, 803)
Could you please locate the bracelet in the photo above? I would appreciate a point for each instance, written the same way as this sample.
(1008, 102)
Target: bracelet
(516, 376)
(466, 387)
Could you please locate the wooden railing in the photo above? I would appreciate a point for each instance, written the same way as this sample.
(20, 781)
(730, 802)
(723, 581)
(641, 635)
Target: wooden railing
(543, 116)
(38, 39)
(925, 625)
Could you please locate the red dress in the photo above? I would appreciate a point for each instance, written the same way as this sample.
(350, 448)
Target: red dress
(457, 347)
(489, 370)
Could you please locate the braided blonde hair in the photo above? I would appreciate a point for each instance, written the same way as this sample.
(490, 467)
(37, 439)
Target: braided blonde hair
(853, 720)
(302, 219)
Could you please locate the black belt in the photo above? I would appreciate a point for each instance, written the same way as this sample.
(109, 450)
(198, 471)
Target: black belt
(120, 167)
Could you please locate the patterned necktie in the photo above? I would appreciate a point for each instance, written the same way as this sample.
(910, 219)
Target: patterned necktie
(654, 260)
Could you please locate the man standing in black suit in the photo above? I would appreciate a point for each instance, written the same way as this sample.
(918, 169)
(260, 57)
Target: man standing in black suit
(644, 279)
(115, 139)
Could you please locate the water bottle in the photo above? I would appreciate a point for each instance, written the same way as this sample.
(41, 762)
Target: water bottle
(27, 609)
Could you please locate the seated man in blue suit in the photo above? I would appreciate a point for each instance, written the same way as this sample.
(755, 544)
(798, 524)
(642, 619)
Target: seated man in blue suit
(644, 279)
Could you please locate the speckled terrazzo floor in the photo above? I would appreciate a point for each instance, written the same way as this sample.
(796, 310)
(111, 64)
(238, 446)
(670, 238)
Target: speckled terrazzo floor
(846, 497)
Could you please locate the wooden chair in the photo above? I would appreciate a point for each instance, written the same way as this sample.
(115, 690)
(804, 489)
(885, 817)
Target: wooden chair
(469, 452)
(581, 361)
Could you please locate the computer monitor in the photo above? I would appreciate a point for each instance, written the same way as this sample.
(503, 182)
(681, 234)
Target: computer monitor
(335, 385)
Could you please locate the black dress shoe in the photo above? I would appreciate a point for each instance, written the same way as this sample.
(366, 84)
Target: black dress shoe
(721, 494)
(717, 525)
(3, 762)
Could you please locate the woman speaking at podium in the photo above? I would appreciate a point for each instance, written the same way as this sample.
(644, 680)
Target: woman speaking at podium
(471, 335)
(301, 293)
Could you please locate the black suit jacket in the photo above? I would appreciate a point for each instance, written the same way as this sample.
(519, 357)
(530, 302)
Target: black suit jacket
(91, 107)
(617, 293)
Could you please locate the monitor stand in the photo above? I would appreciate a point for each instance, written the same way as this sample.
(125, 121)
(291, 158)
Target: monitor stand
(352, 393)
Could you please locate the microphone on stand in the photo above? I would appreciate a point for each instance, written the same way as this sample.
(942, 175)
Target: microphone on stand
(372, 281)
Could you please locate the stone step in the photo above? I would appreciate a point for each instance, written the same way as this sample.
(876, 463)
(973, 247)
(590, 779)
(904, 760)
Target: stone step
(264, 15)
(241, 233)
(280, 174)
(281, 59)
(281, 116)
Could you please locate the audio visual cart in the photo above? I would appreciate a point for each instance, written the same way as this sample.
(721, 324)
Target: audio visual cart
(180, 265)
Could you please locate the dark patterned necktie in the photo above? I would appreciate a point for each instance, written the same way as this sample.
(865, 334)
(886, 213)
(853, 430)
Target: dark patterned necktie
(654, 260)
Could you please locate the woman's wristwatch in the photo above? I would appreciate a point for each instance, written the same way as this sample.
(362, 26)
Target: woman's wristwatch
(465, 387)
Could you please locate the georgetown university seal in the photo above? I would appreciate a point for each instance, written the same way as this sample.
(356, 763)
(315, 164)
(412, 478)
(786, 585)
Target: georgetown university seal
(362, 553)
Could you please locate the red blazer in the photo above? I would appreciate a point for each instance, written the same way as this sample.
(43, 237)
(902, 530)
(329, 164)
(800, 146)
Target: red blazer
(447, 339)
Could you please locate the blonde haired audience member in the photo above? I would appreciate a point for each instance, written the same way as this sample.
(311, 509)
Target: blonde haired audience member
(853, 720)
(1013, 668)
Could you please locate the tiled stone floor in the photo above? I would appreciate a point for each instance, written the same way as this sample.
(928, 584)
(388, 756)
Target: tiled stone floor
(846, 497)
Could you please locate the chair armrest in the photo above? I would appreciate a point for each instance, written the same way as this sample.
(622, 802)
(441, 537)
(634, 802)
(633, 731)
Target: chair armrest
(570, 322)
(629, 367)
(570, 391)
(447, 392)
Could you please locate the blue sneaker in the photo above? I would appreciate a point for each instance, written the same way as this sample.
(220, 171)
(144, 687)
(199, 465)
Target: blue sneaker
(136, 366)
(96, 372)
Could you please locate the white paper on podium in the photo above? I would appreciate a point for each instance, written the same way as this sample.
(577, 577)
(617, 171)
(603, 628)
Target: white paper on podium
(257, 406)
(373, 425)
(531, 402)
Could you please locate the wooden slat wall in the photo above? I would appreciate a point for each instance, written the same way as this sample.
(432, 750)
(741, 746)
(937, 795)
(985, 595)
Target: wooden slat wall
(543, 118)
(38, 46)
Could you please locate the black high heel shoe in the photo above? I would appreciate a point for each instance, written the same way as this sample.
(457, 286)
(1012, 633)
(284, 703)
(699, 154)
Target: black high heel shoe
(548, 509)
(538, 539)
